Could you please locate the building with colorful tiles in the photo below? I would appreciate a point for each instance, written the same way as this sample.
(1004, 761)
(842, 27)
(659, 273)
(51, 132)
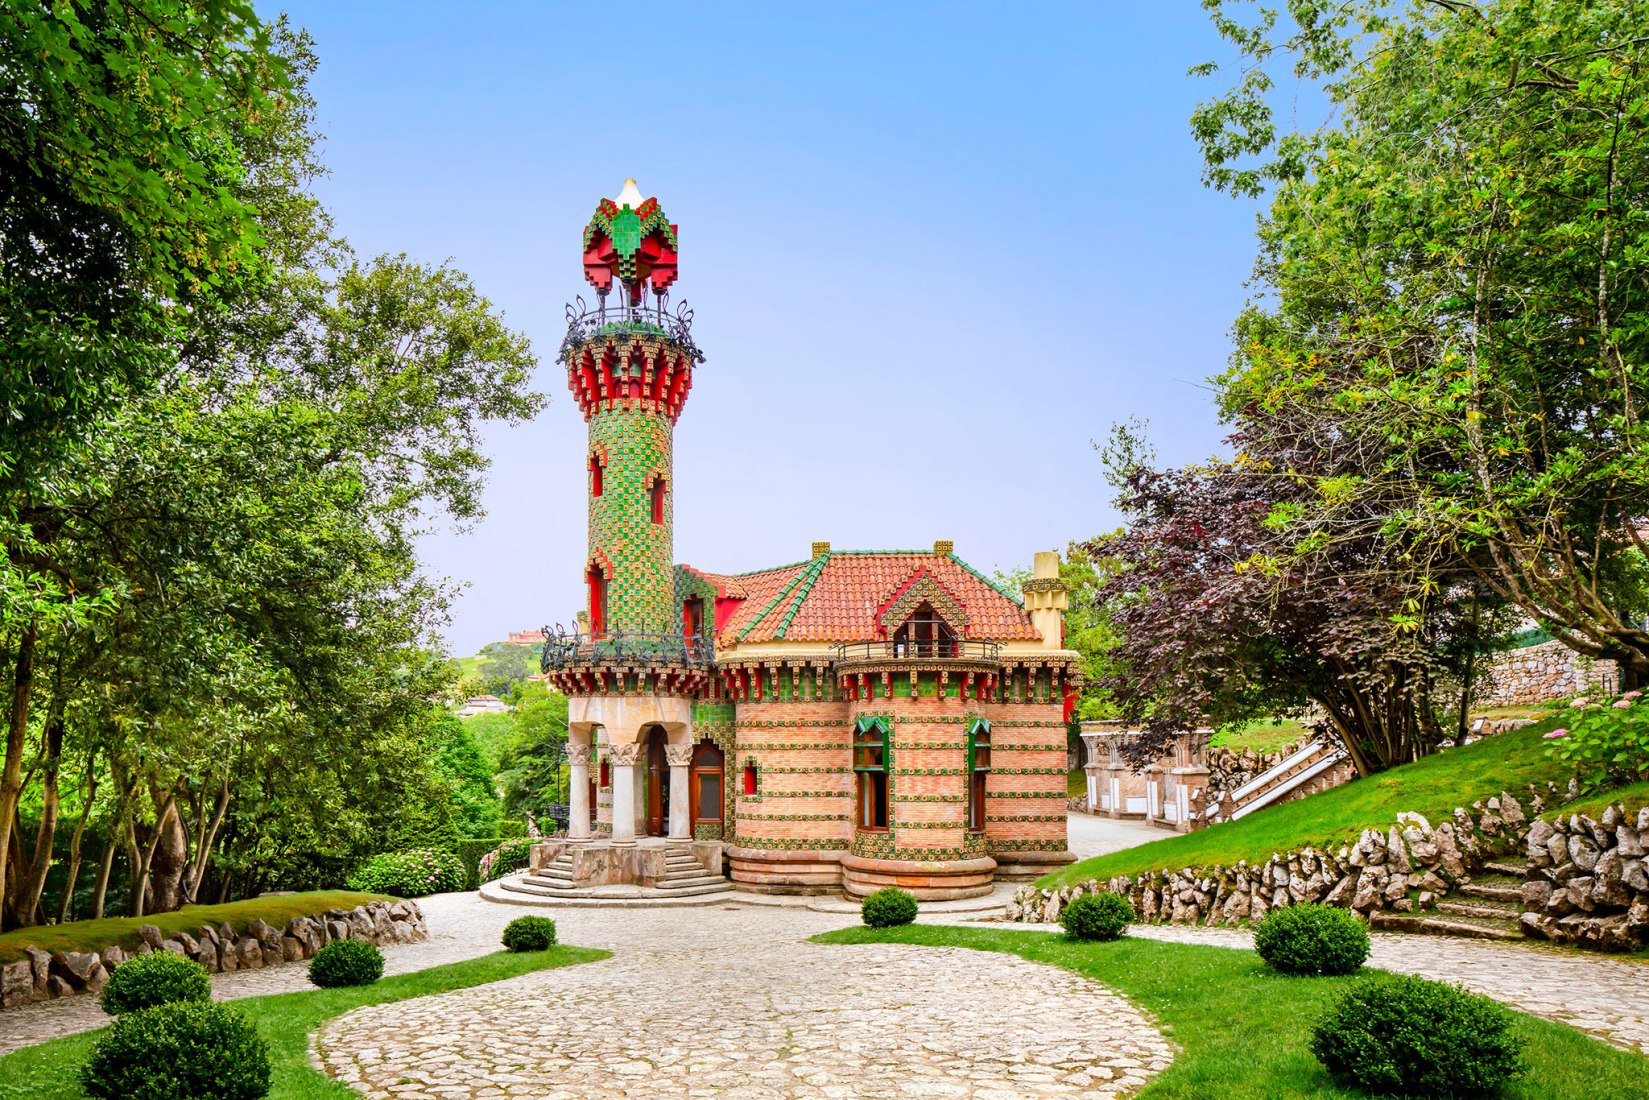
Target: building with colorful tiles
(844, 722)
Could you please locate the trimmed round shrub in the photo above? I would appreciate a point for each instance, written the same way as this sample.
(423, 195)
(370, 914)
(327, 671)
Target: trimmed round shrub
(1408, 1036)
(888, 907)
(512, 855)
(1312, 939)
(346, 962)
(1102, 916)
(411, 874)
(145, 981)
(198, 1049)
(529, 934)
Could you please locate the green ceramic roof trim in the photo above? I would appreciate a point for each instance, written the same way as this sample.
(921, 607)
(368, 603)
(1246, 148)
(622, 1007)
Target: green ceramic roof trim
(807, 581)
(797, 579)
(1015, 597)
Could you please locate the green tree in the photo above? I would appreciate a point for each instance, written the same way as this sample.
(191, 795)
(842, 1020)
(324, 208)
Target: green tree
(1451, 297)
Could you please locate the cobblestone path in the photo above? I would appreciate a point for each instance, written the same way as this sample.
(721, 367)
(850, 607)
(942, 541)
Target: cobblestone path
(732, 1002)
(1607, 996)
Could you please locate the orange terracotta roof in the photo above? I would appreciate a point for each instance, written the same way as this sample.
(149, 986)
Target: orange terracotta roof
(836, 598)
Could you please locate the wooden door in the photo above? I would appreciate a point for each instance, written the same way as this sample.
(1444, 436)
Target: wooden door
(705, 787)
(658, 785)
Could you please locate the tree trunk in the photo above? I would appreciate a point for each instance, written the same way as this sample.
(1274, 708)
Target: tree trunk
(17, 726)
(168, 858)
(65, 908)
(33, 876)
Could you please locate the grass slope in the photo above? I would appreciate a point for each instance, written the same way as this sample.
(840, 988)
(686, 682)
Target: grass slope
(1433, 786)
(1242, 1028)
(94, 935)
(49, 1071)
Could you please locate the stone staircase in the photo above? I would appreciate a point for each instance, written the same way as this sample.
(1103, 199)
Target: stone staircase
(1490, 907)
(1275, 783)
(684, 877)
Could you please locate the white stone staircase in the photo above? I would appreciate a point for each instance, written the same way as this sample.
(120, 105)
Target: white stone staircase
(1274, 783)
(684, 878)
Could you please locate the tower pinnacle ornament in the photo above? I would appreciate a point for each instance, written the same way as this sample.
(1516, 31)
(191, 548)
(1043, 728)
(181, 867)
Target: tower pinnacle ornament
(629, 240)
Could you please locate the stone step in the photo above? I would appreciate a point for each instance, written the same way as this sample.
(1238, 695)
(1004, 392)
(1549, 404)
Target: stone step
(1494, 892)
(713, 886)
(687, 882)
(1510, 870)
(1478, 928)
(1480, 909)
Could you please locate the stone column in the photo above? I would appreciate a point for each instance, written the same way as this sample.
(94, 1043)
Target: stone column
(679, 757)
(578, 802)
(623, 761)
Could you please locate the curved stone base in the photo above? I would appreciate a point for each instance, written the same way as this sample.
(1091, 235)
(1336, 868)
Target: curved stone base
(936, 881)
(766, 871)
(1026, 866)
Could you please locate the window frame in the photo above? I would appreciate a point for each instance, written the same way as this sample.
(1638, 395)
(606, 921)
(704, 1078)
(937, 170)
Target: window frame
(872, 733)
(978, 769)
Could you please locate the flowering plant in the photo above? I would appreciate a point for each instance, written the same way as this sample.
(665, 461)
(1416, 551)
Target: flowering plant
(1605, 740)
(410, 874)
(509, 856)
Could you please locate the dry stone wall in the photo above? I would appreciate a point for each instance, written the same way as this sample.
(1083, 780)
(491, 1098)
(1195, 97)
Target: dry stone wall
(1541, 673)
(1407, 866)
(43, 975)
(1588, 882)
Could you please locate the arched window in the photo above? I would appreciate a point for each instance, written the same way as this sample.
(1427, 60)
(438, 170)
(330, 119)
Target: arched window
(924, 634)
(979, 766)
(606, 774)
(872, 757)
(595, 475)
(750, 777)
(657, 492)
(692, 617)
(706, 784)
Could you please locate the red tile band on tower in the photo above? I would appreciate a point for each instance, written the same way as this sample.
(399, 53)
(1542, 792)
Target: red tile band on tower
(851, 721)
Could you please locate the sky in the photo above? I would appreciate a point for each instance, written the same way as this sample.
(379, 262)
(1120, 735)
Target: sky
(933, 251)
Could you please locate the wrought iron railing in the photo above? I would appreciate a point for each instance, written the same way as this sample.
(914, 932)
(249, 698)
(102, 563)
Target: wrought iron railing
(626, 647)
(612, 315)
(925, 649)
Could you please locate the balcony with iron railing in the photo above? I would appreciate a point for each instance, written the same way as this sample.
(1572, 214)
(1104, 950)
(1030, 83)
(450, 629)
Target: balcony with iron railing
(625, 649)
(618, 317)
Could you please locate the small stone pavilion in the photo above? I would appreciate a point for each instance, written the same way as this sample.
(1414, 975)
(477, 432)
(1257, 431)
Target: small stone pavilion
(849, 721)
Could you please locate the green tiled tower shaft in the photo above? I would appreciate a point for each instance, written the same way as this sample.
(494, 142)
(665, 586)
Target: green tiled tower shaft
(632, 448)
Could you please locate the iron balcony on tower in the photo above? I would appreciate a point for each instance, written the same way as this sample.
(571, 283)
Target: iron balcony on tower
(622, 318)
(625, 648)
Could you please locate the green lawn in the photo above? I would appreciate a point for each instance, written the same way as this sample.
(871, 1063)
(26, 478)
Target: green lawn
(1076, 783)
(1242, 1028)
(1631, 798)
(1433, 786)
(48, 1071)
(1264, 735)
(94, 935)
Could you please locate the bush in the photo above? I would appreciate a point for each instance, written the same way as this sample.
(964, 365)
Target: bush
(346, 962)
(1414, 1037)
(410, 874)
(470, 852)
(1606, 741)
(149, 980)
(889, 907)
(196, 1049)
(529, 934)
(1103, 916)
(512, 855)
(1312, 939)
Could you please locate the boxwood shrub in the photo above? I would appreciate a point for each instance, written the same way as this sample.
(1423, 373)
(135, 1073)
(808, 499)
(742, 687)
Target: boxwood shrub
(410, 874)
(346, 962)
(529, 934)
(148, 980)
(197, 1049)
(1102, 916)
(888, 907)
(1407, 1036)
(1312, 939)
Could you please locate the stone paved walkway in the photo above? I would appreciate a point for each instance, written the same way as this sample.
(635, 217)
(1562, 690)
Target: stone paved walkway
(1089, 835)
(1607, 996)
(733, 1002)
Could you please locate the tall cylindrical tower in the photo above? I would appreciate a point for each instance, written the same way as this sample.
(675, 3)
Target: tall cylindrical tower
(630, 365)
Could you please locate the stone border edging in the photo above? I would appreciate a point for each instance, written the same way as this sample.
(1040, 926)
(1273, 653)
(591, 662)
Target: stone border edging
(46, 975)
(1588, 881)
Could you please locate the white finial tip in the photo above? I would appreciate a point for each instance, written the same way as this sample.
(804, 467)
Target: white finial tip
(630, 196)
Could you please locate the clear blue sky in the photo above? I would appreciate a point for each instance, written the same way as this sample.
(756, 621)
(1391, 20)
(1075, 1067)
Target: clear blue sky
(934, 250)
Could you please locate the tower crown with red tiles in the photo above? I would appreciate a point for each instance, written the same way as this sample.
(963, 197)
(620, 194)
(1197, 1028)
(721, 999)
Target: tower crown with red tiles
(630, 365)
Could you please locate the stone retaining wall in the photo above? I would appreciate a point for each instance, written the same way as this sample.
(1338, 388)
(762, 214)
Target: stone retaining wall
(1541, 673)
(1588, 881)
(43, 975)
(1409, 865)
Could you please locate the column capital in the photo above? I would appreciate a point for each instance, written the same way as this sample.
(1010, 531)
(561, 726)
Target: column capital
(579, 755)
(623, 755)
(678, 756)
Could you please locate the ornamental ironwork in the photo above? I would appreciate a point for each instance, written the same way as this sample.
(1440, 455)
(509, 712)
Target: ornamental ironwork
(926, 649)
(617, 317)
(624, 647)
